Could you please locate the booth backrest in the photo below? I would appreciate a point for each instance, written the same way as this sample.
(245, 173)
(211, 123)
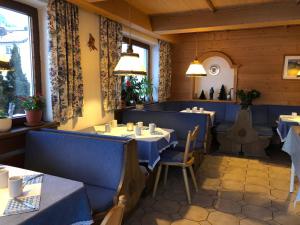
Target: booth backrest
(225, 111)
(269, 114)
(180, 122)
(88, 134)
(91, 160)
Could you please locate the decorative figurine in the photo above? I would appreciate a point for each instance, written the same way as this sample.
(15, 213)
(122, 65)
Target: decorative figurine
(91, 43)
(211, 93)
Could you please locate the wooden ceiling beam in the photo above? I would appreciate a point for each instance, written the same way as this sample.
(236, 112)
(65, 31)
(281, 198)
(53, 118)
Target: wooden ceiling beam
(252, 16)
(211, 5)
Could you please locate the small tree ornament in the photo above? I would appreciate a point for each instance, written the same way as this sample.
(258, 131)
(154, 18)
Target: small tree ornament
(222, 94)
(202, 95)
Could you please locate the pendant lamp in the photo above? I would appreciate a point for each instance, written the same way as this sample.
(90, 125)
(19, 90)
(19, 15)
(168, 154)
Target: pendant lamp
(196, 69)
(130, 63)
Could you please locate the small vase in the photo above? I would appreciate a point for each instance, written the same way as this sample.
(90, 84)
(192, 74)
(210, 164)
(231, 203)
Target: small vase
(33, 117)
(5, 124)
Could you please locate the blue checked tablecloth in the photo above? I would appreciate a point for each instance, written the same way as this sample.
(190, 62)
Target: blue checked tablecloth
(292, 147)
(149, 146)
(284, 124)
(63, 202)
(150, 149)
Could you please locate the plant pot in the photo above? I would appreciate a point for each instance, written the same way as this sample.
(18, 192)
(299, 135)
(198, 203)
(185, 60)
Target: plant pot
(5, 124)
(33, 117)
(139, 106)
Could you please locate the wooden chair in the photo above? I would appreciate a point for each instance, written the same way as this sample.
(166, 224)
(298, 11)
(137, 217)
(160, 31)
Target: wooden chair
(115, 215)
(180, 159)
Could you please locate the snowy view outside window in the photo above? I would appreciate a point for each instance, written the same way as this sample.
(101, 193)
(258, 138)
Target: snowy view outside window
(16, 48)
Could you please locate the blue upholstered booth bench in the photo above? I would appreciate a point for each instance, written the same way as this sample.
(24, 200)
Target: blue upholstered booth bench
(180, 122)
(108, 167)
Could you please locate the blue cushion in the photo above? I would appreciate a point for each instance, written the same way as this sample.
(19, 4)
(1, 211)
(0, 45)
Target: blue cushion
(172, 156)
(223, 127)
(263, 130)
(91, 160)
(100, 198)
(260, 114)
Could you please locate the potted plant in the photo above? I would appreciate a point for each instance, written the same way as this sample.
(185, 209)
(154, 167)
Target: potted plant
(5, 122)
(33, 106)
(144, 92)
(247, 97)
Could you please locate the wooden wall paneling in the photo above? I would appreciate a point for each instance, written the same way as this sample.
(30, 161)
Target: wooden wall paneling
(259, 52)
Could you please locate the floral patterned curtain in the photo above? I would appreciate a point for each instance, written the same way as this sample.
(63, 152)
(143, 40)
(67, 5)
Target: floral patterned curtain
(110, 53)
(65, 66)
(165, 71)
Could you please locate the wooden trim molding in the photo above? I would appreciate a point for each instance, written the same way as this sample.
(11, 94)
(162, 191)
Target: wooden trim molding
(220, 54)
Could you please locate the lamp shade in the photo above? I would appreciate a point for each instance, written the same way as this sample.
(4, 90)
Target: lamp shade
(196, 69)
(130, 64)
(4, 63)
(298, 74)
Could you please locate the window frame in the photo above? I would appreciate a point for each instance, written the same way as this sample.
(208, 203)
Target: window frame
(35, 41)
(141, 45)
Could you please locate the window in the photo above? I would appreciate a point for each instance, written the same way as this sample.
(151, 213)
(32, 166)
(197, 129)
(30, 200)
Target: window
(142, 49)
(19, 44)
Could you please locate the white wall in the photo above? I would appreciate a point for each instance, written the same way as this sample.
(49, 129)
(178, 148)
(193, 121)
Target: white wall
(92, 109)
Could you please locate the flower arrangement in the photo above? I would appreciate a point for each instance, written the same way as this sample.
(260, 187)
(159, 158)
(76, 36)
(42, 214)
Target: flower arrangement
(247, 97)
(30, 103)
(135, 91)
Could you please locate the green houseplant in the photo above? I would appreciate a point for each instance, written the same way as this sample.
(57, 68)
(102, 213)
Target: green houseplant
(247, 97)
(33, 106)
(5, 122)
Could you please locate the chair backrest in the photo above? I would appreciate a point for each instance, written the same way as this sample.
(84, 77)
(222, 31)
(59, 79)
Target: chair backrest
(190, 143)
(115, 215)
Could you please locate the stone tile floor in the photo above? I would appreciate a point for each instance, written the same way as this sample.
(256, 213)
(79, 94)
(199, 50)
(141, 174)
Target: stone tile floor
(233, 191)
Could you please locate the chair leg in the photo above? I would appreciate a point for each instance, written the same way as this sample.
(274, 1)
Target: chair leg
(186, 183)
(156, 180)
(166, 174)
(193, 178)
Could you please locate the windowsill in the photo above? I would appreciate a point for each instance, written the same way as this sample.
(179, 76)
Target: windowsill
(21, 129)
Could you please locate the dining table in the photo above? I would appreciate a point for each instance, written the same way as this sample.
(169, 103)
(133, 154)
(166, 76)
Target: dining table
(211, 114)
(292, 147)
(46, 200)
(285, 122)
(149, 145)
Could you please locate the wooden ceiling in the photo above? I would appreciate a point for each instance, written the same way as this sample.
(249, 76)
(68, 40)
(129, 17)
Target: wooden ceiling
(153, 7)
(159, 18)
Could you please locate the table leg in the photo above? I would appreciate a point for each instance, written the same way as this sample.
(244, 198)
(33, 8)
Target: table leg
(292, 178)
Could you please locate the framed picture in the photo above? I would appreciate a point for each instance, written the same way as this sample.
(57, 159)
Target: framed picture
(291, 67)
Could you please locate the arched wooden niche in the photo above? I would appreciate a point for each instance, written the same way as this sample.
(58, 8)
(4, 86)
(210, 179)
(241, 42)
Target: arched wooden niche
(220, 71)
